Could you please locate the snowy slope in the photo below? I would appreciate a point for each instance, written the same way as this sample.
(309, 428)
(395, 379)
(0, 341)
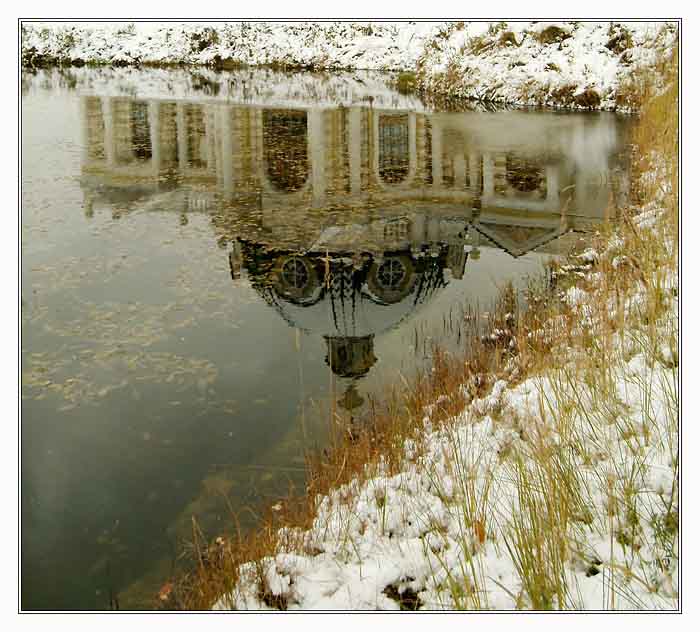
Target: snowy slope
(575, 64)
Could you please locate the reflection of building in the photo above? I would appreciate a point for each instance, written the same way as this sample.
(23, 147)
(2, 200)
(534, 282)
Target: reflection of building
(340, 159)
(347, 219)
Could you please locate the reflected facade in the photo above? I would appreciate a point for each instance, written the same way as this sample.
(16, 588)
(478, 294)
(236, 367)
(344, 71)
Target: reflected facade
(346, 220)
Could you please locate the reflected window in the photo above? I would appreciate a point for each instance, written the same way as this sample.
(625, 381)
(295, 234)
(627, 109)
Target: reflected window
(286, 153)
(393, 148)
(455, 163)
(167, 134)
(296, 278)
(392, 279)
(524, 175)
(196, 147)
(391, 274)
(295, 274)
(141, 131)
(396, 230)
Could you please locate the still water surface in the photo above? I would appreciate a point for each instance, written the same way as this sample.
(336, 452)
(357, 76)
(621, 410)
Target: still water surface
(209, 261)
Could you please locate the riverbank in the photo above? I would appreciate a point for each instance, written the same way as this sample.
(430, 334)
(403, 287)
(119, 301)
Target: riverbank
(535, 468)
(586, 65)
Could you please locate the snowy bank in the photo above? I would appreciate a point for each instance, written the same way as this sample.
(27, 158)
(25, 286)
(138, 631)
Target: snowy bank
(571, 64)
(326, 45)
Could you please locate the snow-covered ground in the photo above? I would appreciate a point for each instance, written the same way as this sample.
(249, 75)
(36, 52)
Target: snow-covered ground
(472, 497)
(575, 64)
(332, 45)
(581, 64)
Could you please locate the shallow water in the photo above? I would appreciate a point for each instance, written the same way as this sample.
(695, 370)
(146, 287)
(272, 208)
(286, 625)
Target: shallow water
(211, 261)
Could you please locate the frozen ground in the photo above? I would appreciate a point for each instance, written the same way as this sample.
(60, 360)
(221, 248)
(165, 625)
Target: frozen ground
(576, 64)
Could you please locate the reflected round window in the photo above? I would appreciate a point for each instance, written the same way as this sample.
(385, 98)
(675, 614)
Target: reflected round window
(295, 273)
(391, 273)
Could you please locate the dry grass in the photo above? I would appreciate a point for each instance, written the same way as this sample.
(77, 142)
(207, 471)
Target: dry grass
(641, 89)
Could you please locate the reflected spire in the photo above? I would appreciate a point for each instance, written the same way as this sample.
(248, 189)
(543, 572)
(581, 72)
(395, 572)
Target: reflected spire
(351, 399)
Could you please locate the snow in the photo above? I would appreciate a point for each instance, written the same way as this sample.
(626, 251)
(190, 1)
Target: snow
(499, 62)
(414, 530)
(415, 537)
(533, 72)
(336, 45)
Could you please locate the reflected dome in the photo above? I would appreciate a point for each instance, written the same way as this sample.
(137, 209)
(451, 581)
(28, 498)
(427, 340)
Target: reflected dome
(337, 297)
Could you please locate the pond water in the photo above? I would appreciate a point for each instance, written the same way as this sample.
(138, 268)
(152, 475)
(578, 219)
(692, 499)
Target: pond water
(211, 261)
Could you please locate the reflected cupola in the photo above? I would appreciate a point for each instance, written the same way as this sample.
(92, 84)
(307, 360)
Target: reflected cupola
(350, 356)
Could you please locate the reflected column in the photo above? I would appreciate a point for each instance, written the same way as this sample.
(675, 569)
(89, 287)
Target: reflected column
(412, 149)
(488, 173)
(474, 179)
(552, 179)
(436, 150)
(316, 151)
(108, 118)
(154, 128)
(355, 149)
(181, 138)
(224, 126)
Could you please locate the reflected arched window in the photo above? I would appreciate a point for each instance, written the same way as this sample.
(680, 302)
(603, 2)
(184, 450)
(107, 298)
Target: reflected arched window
(196, 131)
(393, 148)
(524, 174)
(286, 153)
(141, 131)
